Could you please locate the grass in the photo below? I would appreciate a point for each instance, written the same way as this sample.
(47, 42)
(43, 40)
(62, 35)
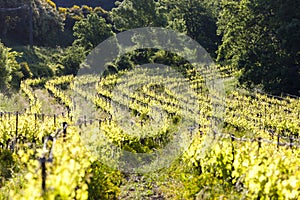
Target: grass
(12, 103)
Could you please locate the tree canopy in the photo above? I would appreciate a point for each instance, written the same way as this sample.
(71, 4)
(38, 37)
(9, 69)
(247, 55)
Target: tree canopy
(92, 30)
(262, 39)
(131, 14)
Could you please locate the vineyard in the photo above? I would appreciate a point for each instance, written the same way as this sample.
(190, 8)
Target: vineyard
(254, 153)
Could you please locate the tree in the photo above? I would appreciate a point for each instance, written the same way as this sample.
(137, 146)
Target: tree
(71, 60)
(201, 24)
(195, 18)
(288, 33)
(171, 10)
(136, 14)
(251, 41)
(91, 31)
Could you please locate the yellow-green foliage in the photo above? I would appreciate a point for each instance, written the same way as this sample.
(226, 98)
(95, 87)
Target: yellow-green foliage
(51, 3)
(85, 7)
(101, 10)
(75, 7)
(62, 10)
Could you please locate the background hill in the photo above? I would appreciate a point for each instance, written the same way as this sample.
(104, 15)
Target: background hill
(257, 38)
(106, 4)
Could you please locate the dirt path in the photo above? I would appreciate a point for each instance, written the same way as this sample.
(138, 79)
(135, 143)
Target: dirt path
(49, 104)
(140, 187)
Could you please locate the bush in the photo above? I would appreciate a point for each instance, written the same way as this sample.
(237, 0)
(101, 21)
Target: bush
(41, 70)
(7, 163)
(70, 62)
(26, 70)
(8, 67)
(104, 183)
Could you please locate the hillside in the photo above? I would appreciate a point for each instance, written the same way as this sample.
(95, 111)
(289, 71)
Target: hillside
(105, 4)
(151, 99)
(69, 153)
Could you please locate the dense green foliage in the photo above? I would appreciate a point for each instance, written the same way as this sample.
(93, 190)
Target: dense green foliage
(91, 31)
(259, 38)
(15, 24)
(10, 70)
(135, 14)
(262, 39)
(106, 4)
(195, 18)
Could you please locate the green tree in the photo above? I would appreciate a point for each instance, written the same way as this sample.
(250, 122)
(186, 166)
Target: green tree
(91, 31)
(131, 14)
(201, 24)
(71, 60)
(251, 41)
(171, 9)
(195, 18)
(288, 33)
